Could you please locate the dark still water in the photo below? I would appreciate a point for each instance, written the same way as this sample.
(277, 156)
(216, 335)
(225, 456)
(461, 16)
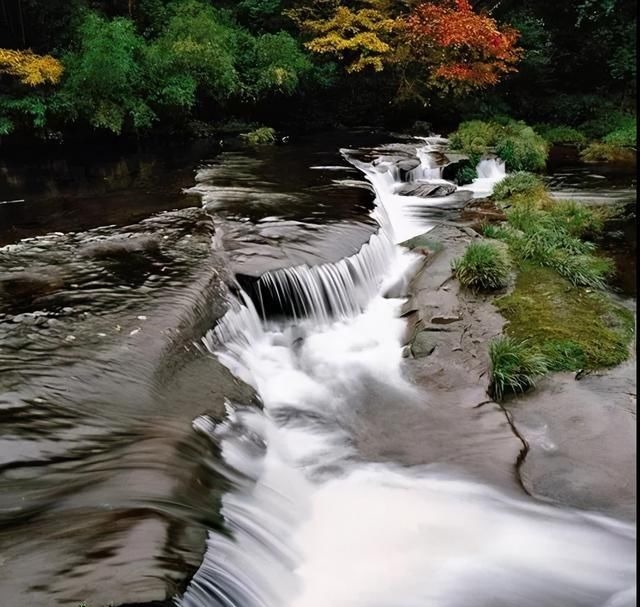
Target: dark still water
(203, 397)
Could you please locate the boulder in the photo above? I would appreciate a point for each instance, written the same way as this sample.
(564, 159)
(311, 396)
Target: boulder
(426, 190)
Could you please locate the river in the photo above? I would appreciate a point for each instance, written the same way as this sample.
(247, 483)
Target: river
(204, 396)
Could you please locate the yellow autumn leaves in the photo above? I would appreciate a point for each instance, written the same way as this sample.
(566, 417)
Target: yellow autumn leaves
(31, 69)
(359, 37)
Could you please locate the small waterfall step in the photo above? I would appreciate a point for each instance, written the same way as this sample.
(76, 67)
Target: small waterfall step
(325, 291)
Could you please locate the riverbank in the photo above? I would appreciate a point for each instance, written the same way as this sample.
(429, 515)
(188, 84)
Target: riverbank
(576, 445)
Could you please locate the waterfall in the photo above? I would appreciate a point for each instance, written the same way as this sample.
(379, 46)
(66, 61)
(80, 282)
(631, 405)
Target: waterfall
(328, 290)
(312, 524)
(490, 171)
(412, 216)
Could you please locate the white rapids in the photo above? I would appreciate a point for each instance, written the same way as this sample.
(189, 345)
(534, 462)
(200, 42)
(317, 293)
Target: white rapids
(312, 524)
(404, 211)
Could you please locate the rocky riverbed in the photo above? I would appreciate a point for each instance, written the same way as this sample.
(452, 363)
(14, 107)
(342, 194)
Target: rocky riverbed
(568, 441)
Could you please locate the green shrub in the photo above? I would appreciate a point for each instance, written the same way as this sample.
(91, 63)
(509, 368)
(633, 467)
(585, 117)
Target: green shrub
(517, 144)
(549, 240)
(625, 137)
(561, 134)
(465, 174)
(483, 267)
(515, 366)
(496, 232)
(577, 218)
(262, 136)
(520, 182)
(607, 152)
(474, 138)
(522, 148)
(582, 269)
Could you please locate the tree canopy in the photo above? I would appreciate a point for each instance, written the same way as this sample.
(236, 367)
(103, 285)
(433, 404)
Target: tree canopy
(128, 67)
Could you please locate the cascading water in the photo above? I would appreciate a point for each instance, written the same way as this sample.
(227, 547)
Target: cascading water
(409, 215)
(311, 523)
(327, 290)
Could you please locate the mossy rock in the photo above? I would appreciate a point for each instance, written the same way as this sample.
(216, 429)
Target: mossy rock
(571, 326)
(423, 242)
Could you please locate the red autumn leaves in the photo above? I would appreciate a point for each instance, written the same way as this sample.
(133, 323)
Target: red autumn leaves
(465, 50)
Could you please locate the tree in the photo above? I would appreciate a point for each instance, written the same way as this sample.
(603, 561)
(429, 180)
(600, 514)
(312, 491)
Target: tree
(271, 63)
(104, 81)
(462, 49)
(362, 38)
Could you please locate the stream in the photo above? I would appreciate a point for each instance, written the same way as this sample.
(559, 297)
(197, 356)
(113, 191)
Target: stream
(212, 389)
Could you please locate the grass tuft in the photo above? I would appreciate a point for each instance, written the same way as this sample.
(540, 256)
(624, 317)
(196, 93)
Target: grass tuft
(262, 136)
(520, 182)
(607, 152)
(515, 366)
(483, 267)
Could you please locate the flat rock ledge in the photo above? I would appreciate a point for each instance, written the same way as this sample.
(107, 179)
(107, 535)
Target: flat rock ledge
(568, 441)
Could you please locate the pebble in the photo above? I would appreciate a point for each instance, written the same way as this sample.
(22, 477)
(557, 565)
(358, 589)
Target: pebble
(70, 338)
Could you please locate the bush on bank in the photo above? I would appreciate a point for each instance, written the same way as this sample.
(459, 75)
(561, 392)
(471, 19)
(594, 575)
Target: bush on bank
(513, 141)
(520, 182)
(561, 134)
(515, 366)
(483, 267)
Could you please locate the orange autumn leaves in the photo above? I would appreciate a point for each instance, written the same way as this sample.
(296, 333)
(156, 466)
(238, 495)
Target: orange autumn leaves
(446, 41)
(466, 49)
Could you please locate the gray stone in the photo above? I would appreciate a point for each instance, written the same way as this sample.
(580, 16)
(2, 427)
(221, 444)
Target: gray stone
(426, 190)
(423, 344)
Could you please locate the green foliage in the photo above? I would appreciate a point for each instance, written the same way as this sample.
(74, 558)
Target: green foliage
(199, 43)
(483, 267)
(263, 136)
(522, 148)
(474, 138)
(625, 137)
(271, 63)
(572, 328)
(519, 182)
(561, 134)
(545, 232)
(465, 174)
(577, 218)
(104, 81)
(515, 366)
(29, 111)
(517, 144)
(608, 121)
(545, 239)
(496, 232)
